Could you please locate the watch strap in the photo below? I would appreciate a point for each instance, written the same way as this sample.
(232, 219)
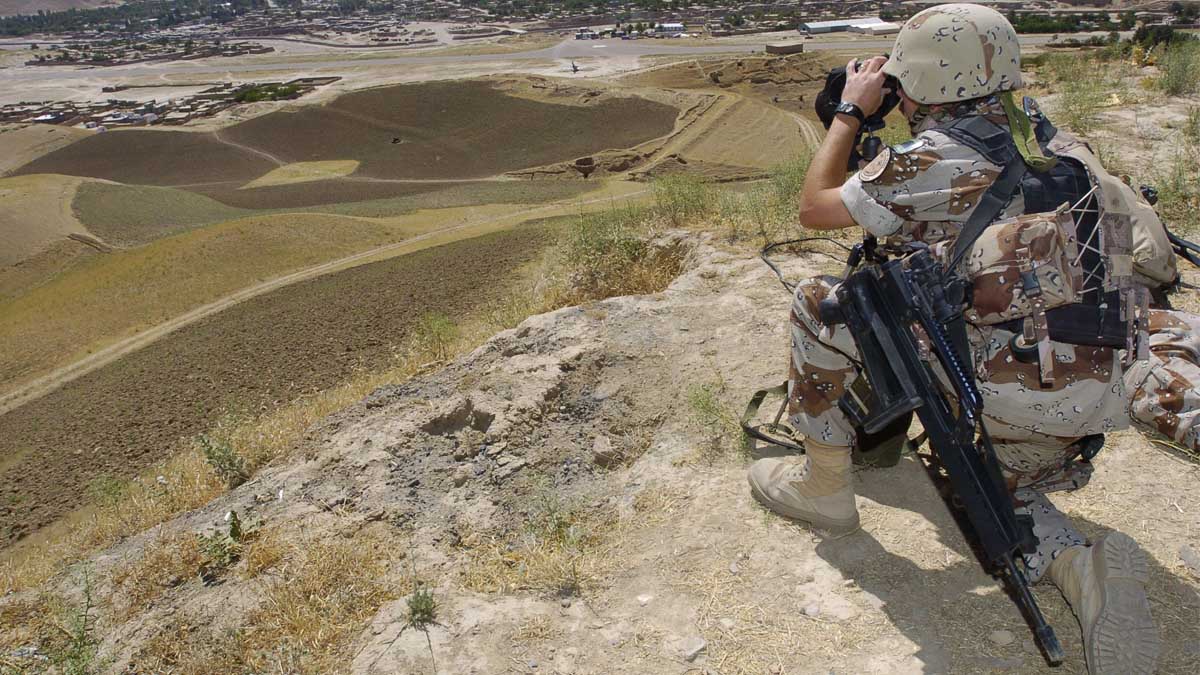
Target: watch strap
(852, 110)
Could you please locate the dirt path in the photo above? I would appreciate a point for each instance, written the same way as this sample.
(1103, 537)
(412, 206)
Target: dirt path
(809, 130)
(60, 376)
(261, 153)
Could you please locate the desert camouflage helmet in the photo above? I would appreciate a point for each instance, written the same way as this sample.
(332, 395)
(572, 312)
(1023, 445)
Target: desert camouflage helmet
(956, 52)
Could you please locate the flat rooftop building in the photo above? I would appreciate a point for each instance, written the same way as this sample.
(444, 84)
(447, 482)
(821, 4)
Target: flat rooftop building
(839, 25)
(882, 28)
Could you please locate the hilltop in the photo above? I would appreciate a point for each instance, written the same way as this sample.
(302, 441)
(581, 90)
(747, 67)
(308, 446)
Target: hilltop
(570, 494)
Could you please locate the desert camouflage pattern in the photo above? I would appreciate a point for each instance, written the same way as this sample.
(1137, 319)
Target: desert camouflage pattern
(1164, 399)
(1041, 242)
(924, 193)
(930, 184)
(955, 52)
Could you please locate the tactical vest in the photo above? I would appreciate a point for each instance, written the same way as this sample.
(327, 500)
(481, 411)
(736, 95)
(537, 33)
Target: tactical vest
(1075, 267)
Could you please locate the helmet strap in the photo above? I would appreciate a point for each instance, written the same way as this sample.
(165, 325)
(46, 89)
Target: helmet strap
(1023, 135)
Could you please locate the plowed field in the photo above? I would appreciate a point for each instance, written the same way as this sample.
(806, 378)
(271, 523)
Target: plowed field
(153, 157)
(436, 130)
(122, 418)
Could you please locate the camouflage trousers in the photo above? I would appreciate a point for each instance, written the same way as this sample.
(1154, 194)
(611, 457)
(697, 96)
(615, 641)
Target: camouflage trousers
(1035, 429)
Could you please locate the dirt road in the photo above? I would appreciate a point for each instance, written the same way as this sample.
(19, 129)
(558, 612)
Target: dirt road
(60, 376)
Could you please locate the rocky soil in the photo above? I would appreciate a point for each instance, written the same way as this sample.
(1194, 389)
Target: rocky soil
(589, 414)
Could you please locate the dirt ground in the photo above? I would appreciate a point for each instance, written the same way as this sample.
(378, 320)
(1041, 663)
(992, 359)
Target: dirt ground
(265, 351)
(582, 416)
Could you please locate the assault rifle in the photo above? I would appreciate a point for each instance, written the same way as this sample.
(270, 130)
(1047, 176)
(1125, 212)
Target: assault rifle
(881, 304)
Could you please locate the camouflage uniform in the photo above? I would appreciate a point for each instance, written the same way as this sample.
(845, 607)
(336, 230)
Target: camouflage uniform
(924, 191)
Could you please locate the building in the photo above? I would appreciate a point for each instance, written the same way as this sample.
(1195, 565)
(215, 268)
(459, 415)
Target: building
(839, 25)
(882, 28)
(670, 28)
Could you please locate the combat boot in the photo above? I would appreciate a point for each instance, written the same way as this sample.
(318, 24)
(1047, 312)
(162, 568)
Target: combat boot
(1105, 585)
(814, 488)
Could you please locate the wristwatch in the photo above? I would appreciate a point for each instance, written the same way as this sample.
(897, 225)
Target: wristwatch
(851, 110)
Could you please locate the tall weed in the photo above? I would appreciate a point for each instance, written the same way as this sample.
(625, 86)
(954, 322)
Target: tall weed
(682, 198)
(1180, 66)
(611, 253)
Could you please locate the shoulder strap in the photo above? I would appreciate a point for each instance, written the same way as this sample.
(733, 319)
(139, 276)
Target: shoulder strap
(989, 208)
(988, 139)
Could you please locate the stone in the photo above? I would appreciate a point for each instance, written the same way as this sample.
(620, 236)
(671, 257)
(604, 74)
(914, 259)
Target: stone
(564, 603)
(692, 648)
(463, 474)
(644, 600)
(604, 455)
(734, 568)
(813, 610)
(726, 623)
(1190, 558)
(508, 465)
(1002, 638)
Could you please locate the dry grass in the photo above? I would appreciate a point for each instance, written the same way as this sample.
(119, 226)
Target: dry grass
(164, 564)
(263, 553)
(181, 484)
(562, 550)
(315, 604)
(535, 629)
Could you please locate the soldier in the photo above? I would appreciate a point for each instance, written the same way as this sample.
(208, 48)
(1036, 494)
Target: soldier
(954, 63)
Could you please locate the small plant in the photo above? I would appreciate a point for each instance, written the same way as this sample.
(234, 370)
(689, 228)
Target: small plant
(422, 613)
(435, 334)
(106, 490)
(78, 655)
(720, 425)
(422, 609)
(224, 460)
(223, 549)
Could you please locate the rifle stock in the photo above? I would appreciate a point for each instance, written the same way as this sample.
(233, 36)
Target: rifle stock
(880, 304)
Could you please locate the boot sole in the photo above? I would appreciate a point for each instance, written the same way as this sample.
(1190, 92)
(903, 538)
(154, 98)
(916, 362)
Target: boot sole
(1124, 638)
(837, 526)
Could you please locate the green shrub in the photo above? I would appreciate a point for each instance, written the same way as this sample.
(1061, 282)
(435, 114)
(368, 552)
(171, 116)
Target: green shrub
(682, 198)
(609, 253)
(224, 460)
(1180, 68)
(435, 334)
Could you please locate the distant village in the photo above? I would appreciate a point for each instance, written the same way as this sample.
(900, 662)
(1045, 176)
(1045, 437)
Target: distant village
(216, 24)
(115, 112)
(125, 52)
(141, 30)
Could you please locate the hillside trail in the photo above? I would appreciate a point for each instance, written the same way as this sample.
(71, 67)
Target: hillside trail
(675, 569)
(248, 148)
(47, 383)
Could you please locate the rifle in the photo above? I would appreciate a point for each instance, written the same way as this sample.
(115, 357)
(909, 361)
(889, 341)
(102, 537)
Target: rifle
(880, 304)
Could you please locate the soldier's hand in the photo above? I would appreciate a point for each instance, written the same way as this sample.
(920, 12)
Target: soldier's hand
(864, 84)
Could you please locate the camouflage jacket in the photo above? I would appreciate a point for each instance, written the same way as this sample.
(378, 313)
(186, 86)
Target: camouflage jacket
(924, 190)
